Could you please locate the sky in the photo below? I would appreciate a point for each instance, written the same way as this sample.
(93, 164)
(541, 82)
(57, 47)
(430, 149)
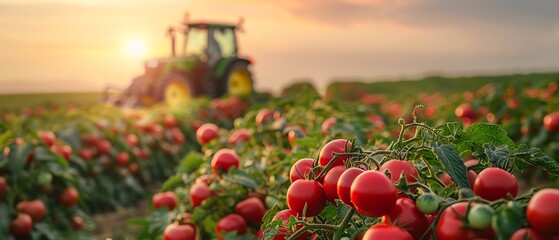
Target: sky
(85, 45)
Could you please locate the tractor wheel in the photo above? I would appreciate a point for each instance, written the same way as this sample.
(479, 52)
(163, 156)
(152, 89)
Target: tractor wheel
(238, 81)
(175, 90)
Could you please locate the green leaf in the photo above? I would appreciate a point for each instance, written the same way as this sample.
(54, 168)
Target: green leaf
(482, 133)
(498, 156)
(305, 142)
(536, 157)
(191, 162)
(172, 183)
(451, 130)
(239, 177)
(452, 162)
(506, 221)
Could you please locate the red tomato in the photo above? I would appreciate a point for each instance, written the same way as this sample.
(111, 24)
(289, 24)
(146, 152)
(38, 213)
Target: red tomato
(525, 234)
(77, 222)
(3, 186)
(465, 111)
(445, 178)
(170, 122)
(238, 136)
(306, 192)
(177, 136)
(47, 137)
(284, 215)
(179, 232)
(327, 124)
(199, 192)
(301, 169)
(165, 199)
(264, 116)
(252, 210)
(331, 183)
(344, 184)
(22, 225)
(543, 212)
(494, 183)
(122, 159)
(64, 150)
(397, 167)
(335, 146)
(206, 133)
(551, 122)
(69, 197)
(103, 147)
(231, 223)
(85, 154)
(224, 159)
(449, 225)
(35, 209)
(132, 140)
(384, 231)
(133, 168)
(408, 217)
(373, 194)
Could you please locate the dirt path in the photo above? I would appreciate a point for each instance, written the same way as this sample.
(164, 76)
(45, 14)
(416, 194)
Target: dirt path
(114, 225)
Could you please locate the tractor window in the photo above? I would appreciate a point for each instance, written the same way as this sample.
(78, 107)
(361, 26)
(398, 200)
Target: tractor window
(196, 42)
(225, 37)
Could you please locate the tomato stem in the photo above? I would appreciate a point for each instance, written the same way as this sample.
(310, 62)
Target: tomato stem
(339, 232)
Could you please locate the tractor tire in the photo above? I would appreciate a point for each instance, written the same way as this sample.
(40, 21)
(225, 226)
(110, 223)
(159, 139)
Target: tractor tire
(238, 80)
(174, 90)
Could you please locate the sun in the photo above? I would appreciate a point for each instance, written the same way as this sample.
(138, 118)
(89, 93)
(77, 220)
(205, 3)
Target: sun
(136, 48)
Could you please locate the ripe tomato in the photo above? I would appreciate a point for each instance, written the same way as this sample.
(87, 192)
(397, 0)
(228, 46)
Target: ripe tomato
(445, 178)
(69, 197)
(306, 192)
(294, 133)
(103, 147)
(335, 146)
(22, 225)
(77, 222)
(465, 111)
(551, 122)
(224, 159)
(264, 116)
(526, 234)
(47, 137)
(3, 186)
(199, 192)
(206, 132)
(543, 212)
(64, 150)
(494, 183)
(122, 159)
(165, 199)
(85, 154)
(252, 210)
(284, 215)
(344, 184)
(406, 216)
(373, 194)
(331, 183)
(132, 140)
(449, 225)
(170, 122)
(231, 223)
(327, 124)
(397, 167)
(301, 169)
(238, 136)
(179, 232)
(35, 209)
(177, 136)
(385, 231)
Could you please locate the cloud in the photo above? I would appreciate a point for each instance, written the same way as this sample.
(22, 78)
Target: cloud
(537, 14)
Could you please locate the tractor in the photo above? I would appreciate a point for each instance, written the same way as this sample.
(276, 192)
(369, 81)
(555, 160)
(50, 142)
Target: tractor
(207, 65)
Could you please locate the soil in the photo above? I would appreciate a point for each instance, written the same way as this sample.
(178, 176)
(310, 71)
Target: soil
(114, 225)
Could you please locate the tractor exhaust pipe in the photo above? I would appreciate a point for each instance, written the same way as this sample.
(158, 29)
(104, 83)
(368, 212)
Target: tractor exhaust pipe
(171, 33)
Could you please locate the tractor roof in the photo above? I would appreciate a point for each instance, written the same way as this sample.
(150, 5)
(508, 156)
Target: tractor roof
(209, 25)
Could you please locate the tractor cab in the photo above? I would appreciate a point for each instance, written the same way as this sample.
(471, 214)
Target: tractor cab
(206, 64)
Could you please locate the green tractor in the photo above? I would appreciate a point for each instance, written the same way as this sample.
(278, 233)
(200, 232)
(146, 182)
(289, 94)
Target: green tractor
(207, 65)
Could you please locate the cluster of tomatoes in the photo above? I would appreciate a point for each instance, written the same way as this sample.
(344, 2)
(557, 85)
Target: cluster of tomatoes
(410, 211)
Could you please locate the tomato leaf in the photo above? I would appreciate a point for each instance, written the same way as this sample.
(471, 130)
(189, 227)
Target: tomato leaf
(239, 177)
(506, 221)
(482, 133)
(536, 157)
(452, 130)
(498, 156)
(172, 183)
(190, 162)
(452, 162)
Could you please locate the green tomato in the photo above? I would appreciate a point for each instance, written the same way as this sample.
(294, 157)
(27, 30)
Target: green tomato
(428, 203)
(44, 178)
(480, 216)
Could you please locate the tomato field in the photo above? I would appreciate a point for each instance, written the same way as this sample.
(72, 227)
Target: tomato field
(353, 163)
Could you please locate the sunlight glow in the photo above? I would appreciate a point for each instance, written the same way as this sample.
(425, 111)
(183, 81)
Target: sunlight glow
(136, 48)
